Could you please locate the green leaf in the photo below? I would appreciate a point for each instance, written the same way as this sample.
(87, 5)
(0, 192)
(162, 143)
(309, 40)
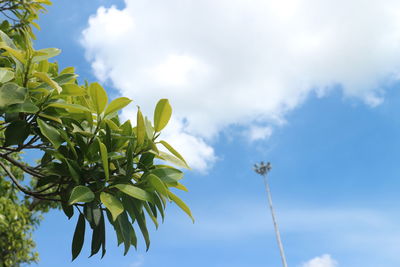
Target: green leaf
(168, 175)
(50, 133)
(81, 193)
(69, 107)
(11, 93)
(79, 237)
(98, 96)
(6, 75)
(98, 236)
(43, 115)
(141, 219)
(151, 215)
(134, 191)
(44, 54)
(129, 161)
(181, 187)
(92, 214)
(140, 129)
(72, 89)
(16, 132)
(149, 129)
(125, 227)
(68, 210)
(112, 204)
(26, 107)
(174, 160)
(117, 104)
(104, 159)
(15, 53)
(173, 151)
(45, 78)
(162, 114)
(158, 184)
(73, 171)
(181, 204)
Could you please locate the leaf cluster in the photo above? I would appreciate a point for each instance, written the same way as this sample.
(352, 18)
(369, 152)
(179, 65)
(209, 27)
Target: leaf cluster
(93, 164)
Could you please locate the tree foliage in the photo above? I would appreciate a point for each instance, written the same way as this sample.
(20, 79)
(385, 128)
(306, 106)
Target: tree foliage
(96, 166)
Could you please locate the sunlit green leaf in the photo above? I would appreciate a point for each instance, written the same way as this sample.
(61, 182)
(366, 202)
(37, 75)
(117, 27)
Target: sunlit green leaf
(181, 204)
(117, 104)
(134, 191)
(140, 128)
(112, 204)
(6, 75)
(98, 96)
(173, 151)
(162, 114)
(45, 78)
(81, 193)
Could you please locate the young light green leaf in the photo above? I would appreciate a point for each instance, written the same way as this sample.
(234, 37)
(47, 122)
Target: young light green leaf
(45, 78)
(112, 204)
(99, 97)
(11, 93)
(6, 75)
(158, 184)
(104, 159)
(162, 114)
(44, 54)
(181, 204)
(140, 128)
(134, 191)
(72, 89)
(173, 151)
(117, 104)
(17, 54)
(79, 237)
(174, 160)
(50, 133)
(81, 193)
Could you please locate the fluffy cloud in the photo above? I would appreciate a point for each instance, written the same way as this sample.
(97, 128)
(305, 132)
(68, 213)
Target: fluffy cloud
(242, 62)
(322, 261)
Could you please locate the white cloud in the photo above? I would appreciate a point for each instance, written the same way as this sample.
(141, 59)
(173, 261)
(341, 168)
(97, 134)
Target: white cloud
(322, 261)
(139, 262)
(259, 133)
(243, 62)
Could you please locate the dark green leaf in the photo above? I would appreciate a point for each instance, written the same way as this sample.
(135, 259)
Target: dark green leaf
(16, 132)
(79, 237)
(98, 236)
(68, 210)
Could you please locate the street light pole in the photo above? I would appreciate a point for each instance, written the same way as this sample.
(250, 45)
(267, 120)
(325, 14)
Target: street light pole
(263, 170)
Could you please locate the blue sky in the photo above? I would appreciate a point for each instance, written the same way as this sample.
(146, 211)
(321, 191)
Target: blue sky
(323, 110)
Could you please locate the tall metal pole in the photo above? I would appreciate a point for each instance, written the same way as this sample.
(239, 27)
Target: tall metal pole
(263, 170)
